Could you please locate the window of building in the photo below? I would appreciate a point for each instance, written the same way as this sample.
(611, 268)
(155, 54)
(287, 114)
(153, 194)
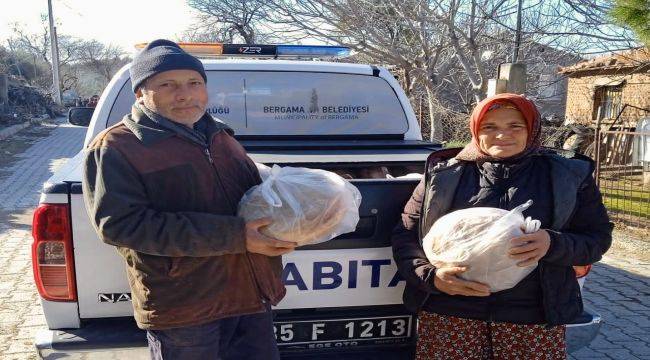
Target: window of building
(607, 102)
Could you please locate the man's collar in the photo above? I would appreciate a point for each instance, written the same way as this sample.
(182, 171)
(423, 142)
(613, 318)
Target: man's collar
(149, 132)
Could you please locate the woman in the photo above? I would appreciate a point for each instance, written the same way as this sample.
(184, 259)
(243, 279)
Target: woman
(503, 166)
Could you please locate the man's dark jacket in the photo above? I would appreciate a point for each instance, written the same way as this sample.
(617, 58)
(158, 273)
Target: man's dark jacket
(567, 202)
(171, 211)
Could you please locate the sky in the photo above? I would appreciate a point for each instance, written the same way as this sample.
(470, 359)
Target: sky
(117, 22)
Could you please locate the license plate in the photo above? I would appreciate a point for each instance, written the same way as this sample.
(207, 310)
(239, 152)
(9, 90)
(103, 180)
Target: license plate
(343, 332)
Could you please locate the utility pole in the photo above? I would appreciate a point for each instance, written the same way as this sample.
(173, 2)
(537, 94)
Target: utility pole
(54, 45)
(515, 50)
(511, 77)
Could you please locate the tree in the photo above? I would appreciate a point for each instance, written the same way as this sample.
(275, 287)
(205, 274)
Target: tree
(37, 45)
(407, 34)
(84, 64)
(5, 60)
(20, 64)
(636, 15)
(227, 20)
(442, 44)
(447, 49)
(101, 59)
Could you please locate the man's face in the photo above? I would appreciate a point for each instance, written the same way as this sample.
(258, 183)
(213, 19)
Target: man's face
(179, 95)
(503, 133)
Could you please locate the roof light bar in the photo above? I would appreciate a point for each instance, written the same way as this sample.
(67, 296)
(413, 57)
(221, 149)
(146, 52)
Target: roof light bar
(275, 51)
(313, 50)
(249, 50)
(199, 49)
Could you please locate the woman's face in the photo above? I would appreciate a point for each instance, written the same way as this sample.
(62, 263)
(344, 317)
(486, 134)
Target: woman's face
(503, 133)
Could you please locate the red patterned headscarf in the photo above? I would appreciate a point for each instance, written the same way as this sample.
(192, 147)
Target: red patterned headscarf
(473, 152)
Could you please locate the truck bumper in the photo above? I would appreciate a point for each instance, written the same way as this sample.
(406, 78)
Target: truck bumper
(97, 339)
(121, 339)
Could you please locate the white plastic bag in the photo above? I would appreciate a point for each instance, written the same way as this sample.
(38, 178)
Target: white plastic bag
(479, 238)
(306, 206)
(265, 171)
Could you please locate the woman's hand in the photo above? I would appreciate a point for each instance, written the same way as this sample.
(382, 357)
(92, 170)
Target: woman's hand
(447, 282)
(530, 248)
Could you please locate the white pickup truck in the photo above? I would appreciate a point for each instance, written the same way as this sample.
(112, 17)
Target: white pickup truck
(344, 296)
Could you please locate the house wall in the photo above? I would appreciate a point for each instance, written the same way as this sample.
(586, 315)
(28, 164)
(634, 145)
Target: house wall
(551, 95)
(582, 88)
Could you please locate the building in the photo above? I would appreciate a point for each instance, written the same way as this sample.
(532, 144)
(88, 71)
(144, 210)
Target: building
(544, 84)
(601, 88)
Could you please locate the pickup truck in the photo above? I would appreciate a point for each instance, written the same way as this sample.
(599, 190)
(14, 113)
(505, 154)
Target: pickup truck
(344, 296)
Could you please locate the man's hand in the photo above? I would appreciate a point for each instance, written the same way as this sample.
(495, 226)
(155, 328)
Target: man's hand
(447, 282)
(258, 243)
(530, 248)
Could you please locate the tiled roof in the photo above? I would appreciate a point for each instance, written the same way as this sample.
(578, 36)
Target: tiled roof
(637, 58)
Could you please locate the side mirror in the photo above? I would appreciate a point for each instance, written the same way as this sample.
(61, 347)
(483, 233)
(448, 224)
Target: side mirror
(80, 116)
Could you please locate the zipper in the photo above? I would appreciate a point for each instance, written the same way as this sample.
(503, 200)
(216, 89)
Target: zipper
(207, 153)
(425, 201)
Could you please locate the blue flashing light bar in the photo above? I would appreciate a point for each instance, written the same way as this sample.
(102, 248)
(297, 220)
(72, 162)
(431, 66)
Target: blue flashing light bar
(313, 50)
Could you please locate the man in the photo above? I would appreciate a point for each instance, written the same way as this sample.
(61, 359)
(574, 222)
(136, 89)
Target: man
(163, 187)
(93, 101)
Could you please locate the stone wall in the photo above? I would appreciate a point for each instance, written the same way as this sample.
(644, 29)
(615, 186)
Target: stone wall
(582, 88)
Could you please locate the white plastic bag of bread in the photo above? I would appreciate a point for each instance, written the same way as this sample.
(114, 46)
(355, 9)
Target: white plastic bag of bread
(479, 238)
(265, 171)
(306, 206)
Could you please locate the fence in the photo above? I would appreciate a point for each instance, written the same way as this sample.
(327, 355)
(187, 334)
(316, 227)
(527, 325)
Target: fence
(623, 175)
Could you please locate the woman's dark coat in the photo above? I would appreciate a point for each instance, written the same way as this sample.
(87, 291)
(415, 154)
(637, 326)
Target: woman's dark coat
(566, 201)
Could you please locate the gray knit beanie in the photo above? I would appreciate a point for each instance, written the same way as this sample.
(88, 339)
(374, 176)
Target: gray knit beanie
(162, 55)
